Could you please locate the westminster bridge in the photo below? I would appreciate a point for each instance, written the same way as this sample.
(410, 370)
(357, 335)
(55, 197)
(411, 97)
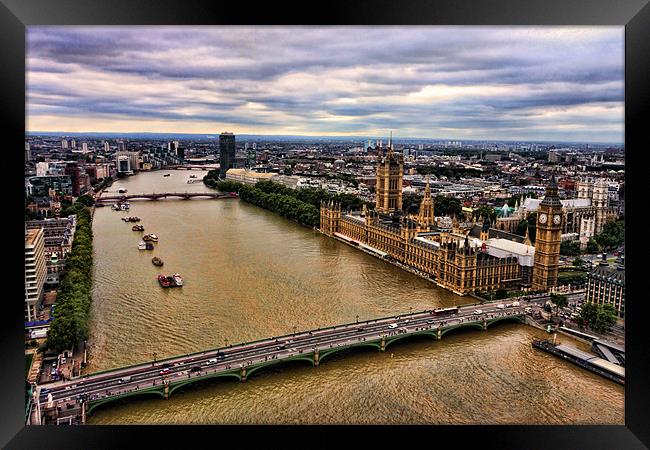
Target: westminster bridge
(71, 401)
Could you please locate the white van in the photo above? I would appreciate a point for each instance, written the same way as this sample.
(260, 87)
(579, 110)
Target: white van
(515, 304)
(392, 325)
(125, 379)
(211, 361)
(501, 306)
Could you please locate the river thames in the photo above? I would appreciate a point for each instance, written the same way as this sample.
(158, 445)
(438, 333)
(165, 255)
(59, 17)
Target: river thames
(251, 274)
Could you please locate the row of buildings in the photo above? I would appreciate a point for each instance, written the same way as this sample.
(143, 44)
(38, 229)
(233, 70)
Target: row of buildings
(464, 259)
(47, 244)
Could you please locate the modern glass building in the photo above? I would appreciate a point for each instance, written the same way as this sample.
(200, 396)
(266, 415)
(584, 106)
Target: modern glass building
(226, 152)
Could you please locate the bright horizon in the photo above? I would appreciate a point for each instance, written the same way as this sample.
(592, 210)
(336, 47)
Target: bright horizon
(454, 83)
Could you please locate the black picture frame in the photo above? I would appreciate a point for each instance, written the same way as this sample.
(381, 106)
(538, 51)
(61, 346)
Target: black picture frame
(633, 14)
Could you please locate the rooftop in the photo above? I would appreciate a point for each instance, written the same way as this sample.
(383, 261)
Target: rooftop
(31, 236)
(513, 247)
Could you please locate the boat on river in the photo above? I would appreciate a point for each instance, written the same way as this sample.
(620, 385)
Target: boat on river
(166, 175)
(177, 279)
(157, 261)
(142, 245)
(168, 281)
(164, 281)
(148, 246)
(150, 238)
(137, 228)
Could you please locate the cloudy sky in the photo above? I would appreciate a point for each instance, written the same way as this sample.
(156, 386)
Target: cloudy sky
(519, 83)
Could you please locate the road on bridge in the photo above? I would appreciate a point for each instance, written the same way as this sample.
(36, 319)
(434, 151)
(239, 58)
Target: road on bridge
(126, 380)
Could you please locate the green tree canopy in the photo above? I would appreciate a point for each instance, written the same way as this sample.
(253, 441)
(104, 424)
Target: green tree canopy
(570, 248)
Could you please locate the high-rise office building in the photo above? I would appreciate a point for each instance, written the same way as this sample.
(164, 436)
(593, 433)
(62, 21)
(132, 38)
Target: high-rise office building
(107, 147)
(84, 147)
(74, 171)
(35, 271)
(41, 169)
(226, 152)
(28, 152)
(64, 143)
(73, 144)
(133, 161)
(123, 164)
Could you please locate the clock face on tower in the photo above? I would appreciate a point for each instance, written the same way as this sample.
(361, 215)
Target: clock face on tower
(542, 218)
(557, 219)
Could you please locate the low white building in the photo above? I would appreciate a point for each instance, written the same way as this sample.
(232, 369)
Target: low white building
(248, 177)
(502, 248)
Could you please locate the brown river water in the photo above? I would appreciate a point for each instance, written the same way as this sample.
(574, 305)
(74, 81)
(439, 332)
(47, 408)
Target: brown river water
(251, 274)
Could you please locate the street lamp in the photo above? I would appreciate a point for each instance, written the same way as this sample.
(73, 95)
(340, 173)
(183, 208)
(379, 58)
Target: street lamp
(357, 318)
(294, 330)
(226, 342)
(154, 358)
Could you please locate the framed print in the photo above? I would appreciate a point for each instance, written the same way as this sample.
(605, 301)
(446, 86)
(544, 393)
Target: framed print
(374, 215)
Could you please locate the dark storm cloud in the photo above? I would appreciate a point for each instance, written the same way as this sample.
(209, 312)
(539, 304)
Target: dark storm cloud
(372, 78)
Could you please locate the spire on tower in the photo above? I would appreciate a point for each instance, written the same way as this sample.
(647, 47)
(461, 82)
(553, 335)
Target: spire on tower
(527, 239)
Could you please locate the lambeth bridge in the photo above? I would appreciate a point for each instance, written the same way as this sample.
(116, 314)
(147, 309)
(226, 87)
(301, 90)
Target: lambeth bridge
(71, 401)
(156, 196)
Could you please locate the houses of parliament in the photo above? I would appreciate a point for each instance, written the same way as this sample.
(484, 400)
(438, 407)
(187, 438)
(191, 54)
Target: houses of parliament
(468, 258)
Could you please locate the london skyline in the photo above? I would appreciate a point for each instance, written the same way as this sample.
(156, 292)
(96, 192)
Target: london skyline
(472, 83)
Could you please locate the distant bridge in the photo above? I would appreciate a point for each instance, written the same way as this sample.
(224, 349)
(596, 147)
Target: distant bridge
(155, 196)
(191, 167)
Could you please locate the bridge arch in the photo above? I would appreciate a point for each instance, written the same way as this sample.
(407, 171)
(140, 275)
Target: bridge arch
(157, 390)
(478, 325)
(518, 318)
(330, 351)
(191, 380)
(399, 337)
(304, 357)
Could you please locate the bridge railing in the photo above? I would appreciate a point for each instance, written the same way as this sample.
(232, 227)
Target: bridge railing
(332, 327)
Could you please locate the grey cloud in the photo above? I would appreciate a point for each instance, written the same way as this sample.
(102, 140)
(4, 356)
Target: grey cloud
(243, 64)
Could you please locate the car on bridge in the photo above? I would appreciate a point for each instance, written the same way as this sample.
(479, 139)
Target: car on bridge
(165, 371)
(478, 311)
(195, 369)
(392, 325)
(211, 361)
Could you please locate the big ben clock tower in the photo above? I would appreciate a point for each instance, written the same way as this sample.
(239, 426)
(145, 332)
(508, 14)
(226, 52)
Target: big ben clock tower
(547, 240)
